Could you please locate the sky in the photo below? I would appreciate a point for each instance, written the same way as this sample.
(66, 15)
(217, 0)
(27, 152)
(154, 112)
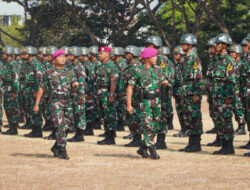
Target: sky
(14, 8)
(10, 9)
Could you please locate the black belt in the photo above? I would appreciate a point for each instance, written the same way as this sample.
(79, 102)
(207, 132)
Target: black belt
(218, 83)
(151, 96)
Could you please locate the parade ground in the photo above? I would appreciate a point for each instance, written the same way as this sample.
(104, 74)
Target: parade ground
(28, 164)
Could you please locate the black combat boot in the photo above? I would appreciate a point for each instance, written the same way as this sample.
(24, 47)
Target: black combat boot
(36, 132)
(153, 153)
(247, 154)
(55, 150)
(130, 136)
(247, 146)
(182, 133)
(241, 130)
(196, 145)
(27, 125)
(97, 124)
(1, 123)
(52, 135)
(12, 130)
(78, 136)
(227, 147)
(7, 126)
(109, 139)
(212, 131)
(20, 119)
(143, 151)
(189, 145)
(62, 153)
(160, 143)
(89, 130)
(136, 142)
(170, 123)
(217, 142)
(120, 126)
(48, 126)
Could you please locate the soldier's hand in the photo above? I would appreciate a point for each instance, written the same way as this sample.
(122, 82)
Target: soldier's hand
(80, 101)
(164, 83)
(75, 86)
(88, 97)
(196, 99)
(14, 95)
(36, 109)
(228, 101)
(130, 109)
(111, 99)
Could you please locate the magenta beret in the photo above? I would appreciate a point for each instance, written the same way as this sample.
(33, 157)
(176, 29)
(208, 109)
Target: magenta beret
(105, 49)
(58, 52)
(148, 53)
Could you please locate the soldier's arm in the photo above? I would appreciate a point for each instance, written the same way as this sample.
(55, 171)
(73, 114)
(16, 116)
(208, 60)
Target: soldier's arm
(230, 86)
(129, 94)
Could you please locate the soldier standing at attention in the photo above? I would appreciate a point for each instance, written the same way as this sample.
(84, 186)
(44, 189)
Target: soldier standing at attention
(149, 77)
(61, 83)
(223, 93)
(106, 80)
(190, 81)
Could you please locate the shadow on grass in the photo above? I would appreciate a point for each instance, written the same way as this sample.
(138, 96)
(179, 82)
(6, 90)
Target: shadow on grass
(32, 155)
(118, 155)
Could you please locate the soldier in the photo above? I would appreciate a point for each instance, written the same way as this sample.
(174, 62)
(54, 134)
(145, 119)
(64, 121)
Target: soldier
(106, 78)
(211, 44)
(149, 77)
(121, 64)
(61, 83)
(190, 75)
(167, 109)
(30, 77)
(9, 78)
(223, 87)
(93, 53)
(245, 85)
(236, 52)
(78, 99)
(131, 55)
(90, 91)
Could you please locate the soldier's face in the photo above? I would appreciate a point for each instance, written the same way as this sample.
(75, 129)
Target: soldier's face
(219, 47)
(71, 57)
(40, 55)
(26, 56)
(128, 56)
(104, 56)
(177, 56)
(233, 55)
(50, 58)
(248, 43)
(4, 56)
(60, 60)
(211, 49)
(184, 47)
(153, 60)
(245, 48)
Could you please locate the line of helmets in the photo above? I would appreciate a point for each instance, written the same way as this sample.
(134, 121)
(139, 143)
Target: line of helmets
(135, 51)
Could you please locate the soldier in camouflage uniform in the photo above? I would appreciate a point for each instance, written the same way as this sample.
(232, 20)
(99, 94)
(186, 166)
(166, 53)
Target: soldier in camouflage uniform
(189, 77)
(236, 52)
(93, 53)
(166, 97)
(30, 76)
(223, 91)
(170, 112)
(131, 55)
(149, 77)
(106, 81)
(245, 85)
(10, 98)
(121, 64)
(61, 82)
(78, 102)
(1, 95)
(90, 91)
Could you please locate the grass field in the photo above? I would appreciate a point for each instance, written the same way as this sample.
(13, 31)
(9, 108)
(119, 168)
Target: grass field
(28, 164)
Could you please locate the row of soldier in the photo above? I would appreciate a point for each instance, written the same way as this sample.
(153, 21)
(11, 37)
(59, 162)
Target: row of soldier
(80, 87)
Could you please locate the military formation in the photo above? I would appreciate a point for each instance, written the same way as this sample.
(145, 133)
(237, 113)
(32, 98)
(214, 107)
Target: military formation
(79, 89)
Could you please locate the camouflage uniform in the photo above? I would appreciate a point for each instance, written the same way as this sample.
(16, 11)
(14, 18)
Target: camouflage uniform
(223, 86)
(189, 77)
(149, 80)
(58, 82)
(1, 95)
(104, 73)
